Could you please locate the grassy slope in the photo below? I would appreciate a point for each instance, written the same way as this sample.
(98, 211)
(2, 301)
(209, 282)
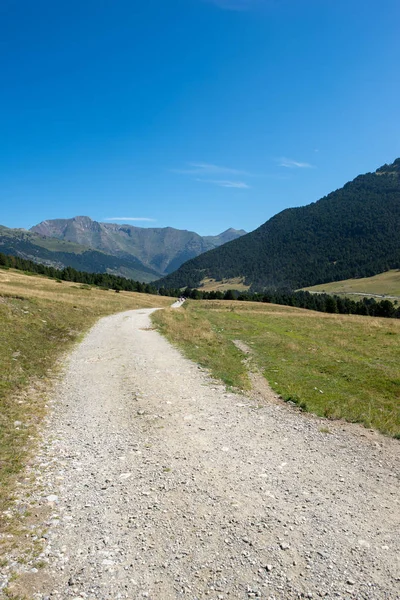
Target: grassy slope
(335, 366)
(55, 245)
(236, 283)
(383, 284)
(40, 319)
(352, 232)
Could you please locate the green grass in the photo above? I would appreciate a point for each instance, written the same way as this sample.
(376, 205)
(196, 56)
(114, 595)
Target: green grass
(201, 342)
(56, 245)
(40, 319)
(339, 367)
(383, 284)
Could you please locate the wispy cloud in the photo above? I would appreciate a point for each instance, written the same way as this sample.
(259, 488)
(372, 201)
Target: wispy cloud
(129, 219)
(208, 173)
(294, 164)
(226, 183)
(200, 168)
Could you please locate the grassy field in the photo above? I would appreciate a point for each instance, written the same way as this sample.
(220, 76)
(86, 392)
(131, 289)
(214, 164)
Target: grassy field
(383, 284)
(40, 319)
(211, 285)
(335, 366)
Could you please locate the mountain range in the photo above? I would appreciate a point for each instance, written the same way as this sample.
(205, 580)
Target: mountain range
(139, 253)
(352, 232)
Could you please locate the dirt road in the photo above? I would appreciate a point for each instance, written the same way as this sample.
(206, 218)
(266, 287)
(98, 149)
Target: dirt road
(163, 485)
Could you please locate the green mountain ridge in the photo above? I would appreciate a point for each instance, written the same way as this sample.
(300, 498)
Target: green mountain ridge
(352, 232)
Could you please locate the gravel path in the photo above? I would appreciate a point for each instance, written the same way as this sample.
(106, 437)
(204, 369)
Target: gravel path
(163, 485)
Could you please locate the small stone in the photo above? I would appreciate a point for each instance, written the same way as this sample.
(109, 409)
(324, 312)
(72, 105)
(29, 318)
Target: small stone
(284, 546)
(52, 498)
(268, 568)
(350, 582)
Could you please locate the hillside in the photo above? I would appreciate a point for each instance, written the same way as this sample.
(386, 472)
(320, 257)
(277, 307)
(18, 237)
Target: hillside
(162, 250)
(60, 254)
(384, 285)
(353, 232)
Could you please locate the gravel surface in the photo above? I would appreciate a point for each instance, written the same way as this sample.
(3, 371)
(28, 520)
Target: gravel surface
(161, 484)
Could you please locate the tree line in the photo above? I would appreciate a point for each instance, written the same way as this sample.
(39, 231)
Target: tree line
(103, 280)
(302, 299)
(351, 233)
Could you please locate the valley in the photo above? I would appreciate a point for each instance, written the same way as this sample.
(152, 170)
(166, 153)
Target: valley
(352, 232)
(138, 253)
(173, 433)
(152, 480)
(200, 300)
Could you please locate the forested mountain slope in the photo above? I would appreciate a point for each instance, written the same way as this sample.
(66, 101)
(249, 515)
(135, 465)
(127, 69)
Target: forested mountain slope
(352, 232)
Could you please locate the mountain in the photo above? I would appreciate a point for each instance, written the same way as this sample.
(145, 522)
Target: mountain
(162, 250)
(352, 232)
(224, 237)
(59, 254)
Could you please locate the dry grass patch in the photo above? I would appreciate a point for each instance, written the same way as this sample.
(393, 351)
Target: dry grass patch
(40, 320)
(212, 285)
(383, 284)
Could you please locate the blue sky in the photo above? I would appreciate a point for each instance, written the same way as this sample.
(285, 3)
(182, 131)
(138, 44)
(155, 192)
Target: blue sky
(196, 114)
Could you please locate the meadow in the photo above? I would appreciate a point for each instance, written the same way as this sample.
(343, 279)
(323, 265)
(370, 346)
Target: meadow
(384, 284)
(40, 320)
(336, 366)
(235, 283)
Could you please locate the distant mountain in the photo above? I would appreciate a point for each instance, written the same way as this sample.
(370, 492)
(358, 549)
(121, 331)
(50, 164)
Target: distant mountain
(162, 250)
(352, 232)
(224, 237)
(59, 254)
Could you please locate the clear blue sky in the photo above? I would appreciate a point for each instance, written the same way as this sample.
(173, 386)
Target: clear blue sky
(198, 114)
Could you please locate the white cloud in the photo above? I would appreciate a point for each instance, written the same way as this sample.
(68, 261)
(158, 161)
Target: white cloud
(226, 183)
(128, 219)
(294, 164)
(200, 168)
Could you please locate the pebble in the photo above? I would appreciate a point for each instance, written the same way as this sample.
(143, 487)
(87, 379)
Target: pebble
(284, 546)
(52, 498)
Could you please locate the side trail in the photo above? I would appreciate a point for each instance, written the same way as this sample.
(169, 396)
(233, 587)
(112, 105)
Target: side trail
(163, 485)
